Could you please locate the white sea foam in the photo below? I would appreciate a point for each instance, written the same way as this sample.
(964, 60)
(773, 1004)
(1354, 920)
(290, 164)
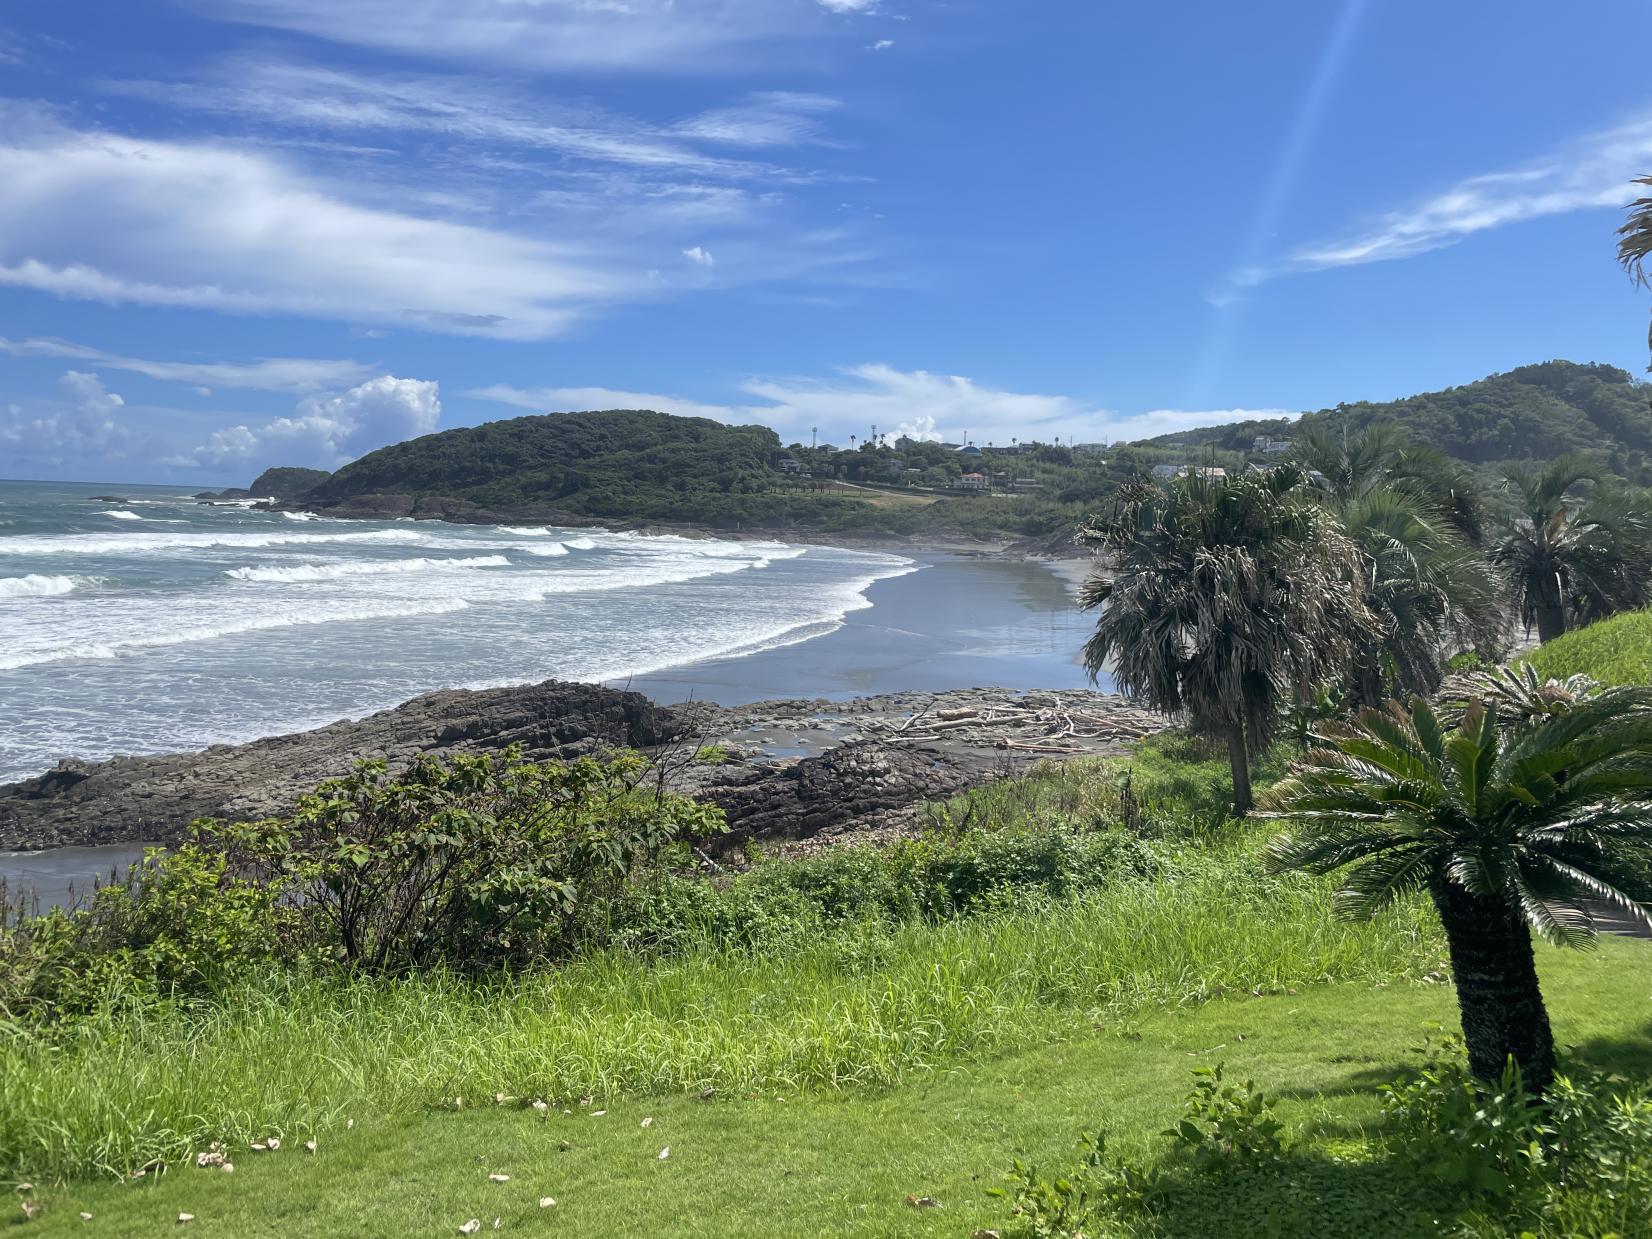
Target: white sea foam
(580, 544)
(330, 572)
(95, 647)
(34, 586)
(547, 552)
(523, 531)
(121, 515)
(142, 543)
(299, 516)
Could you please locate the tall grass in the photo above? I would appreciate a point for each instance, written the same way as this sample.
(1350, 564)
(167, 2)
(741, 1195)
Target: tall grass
(1614, 651)
(871, 1005)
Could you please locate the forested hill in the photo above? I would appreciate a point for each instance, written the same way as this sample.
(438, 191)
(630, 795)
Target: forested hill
(621, 462)
(1532, 413)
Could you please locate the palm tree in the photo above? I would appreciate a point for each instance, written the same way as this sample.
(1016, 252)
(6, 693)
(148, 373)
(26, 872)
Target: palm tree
(1415, 518)
(1227, 600)
(1573, 559)
(1635, 241)
(1514, 820)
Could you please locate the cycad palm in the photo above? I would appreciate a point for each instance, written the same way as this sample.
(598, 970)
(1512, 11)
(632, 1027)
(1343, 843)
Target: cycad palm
(1228, 599)
(1635, 240)
(1510, 824)
(1573, 559)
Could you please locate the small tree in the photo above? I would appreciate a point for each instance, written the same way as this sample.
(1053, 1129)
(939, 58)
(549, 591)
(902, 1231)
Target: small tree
(1516, 819)
(1228, 599)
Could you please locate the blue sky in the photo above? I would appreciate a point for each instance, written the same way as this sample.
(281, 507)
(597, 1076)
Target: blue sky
(236, 233)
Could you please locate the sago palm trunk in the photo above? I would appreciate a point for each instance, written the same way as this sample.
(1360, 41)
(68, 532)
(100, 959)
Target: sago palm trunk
(1239, 762)
(1550, 608)
(1497, 990)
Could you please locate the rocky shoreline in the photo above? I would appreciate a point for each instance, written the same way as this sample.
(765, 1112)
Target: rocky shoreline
(809, 771)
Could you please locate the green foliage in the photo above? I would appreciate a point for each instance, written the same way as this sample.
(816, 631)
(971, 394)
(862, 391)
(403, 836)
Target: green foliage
(1227, 1127)
(182, 922)
(1535, 412)
(1097, 1185)
(1577, 1161)
(471, 863)
(1614, 651)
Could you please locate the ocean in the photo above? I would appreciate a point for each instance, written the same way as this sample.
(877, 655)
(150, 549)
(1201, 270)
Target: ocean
(158, 624)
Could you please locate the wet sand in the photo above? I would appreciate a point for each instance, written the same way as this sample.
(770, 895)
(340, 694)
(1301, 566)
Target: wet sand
(957, 622)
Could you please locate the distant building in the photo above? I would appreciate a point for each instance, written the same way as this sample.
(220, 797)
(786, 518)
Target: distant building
(1089, 449)
(972, 481)
(1269, 446)
(951, 447)
(970, 450)
(1210, 473)
(790, 464)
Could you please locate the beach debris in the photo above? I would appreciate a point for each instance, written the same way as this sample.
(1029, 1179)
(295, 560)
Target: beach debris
(565, 1146)
(184, 1219)
(541, 1107)
(1030, 722)
(597, 1114)
(309, 1146)
(547, 1202)
(649, 1121)
(212, 1157)
(458, 1103)
(499, 1178)
(85, 1216)
(228, 1168)
(708, 1092)
(664, 1153)
(349, 1123)
(29, 1210)
(470, 1227)
(923, 1202)
(500, 1099)
(23, 1189)
(987, 1234)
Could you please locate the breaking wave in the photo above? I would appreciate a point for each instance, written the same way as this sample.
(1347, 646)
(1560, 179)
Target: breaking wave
(121, 515)
(547, 552)
(331, 572)
(34, 586)
(126, 544)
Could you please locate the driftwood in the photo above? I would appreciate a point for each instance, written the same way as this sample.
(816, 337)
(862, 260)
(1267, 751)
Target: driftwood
(1033, 723)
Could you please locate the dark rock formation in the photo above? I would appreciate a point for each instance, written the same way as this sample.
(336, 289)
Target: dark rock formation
(134, 799)
(858, 783)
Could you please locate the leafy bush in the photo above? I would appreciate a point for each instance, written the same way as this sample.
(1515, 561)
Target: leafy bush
(181, 923)
(1227, 1126)
(472, 863)
(1576, 1161)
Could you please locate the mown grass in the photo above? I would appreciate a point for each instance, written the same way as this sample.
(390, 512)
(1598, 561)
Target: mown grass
(1614, 651)
(871, 1005)
(775, 1162)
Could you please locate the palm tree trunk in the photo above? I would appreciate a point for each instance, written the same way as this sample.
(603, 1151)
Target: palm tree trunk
(1497, 991)
(1550, 608)
(1239, 762)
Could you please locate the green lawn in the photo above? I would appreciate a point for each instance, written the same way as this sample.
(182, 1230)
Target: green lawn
(817, 1163)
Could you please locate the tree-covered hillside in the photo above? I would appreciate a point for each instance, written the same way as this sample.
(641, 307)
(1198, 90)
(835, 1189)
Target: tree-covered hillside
(287, 481)
(626, 462)
(1532, 413)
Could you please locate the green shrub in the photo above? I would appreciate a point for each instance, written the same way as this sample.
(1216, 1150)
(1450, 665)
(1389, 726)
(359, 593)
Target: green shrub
(472, 863)
(181, 923)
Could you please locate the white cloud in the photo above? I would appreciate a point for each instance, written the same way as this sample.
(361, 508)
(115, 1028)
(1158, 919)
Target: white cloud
(86, 425)
(882, 45)
(677, 35)
(125, 220)
(1592, 172)
(915, 403)
(311, 97)
(327, 431)
(268, 374)
(699, 257)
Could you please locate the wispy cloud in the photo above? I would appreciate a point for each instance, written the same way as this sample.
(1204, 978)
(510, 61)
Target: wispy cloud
(680, 36)
(266, 374)
(306, 97)
(1592, 172)
(699, 256)
(911, 402)
(88, 423)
